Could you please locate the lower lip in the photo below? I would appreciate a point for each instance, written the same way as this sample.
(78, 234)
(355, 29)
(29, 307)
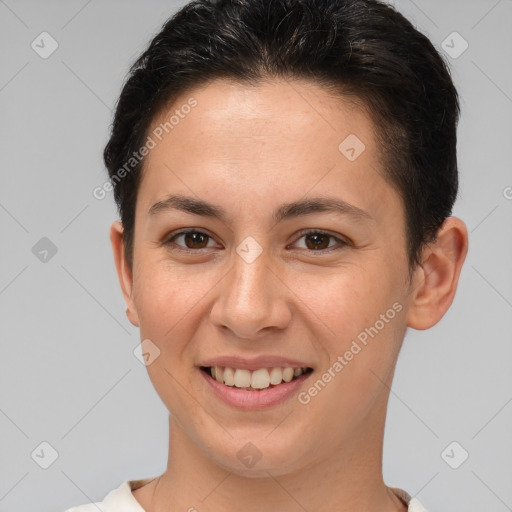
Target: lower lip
(244, 399)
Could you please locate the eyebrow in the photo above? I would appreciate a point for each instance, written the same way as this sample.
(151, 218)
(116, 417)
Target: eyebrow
(285, 211)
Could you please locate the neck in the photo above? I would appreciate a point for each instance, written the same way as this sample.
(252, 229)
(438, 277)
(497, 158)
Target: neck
(350, 478)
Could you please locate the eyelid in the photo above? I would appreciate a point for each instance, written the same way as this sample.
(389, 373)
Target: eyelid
(315, 231)
(168, 239)
(342, 242)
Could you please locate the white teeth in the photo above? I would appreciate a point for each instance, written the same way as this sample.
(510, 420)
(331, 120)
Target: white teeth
(276, 376)
(257, 379)
(229, 377)
(288, 374)
(218, 374)
(260, 379)
(242, 378)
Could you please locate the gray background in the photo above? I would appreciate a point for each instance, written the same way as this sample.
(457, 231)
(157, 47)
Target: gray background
(68, 373)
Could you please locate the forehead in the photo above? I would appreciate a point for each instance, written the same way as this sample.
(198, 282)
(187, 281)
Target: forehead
(227, 111)
(278, 138)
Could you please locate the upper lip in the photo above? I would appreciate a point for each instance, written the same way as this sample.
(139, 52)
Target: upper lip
(264, 361)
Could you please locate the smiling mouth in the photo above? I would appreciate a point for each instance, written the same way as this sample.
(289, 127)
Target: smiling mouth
(257, 380)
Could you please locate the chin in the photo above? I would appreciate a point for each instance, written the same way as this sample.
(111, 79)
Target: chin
(260, 458)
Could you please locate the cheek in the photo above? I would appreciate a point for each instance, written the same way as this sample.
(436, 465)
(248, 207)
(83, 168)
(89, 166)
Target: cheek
(165, 306)
(360, 317)
(349, 298)
(351, 305)
(162, 300)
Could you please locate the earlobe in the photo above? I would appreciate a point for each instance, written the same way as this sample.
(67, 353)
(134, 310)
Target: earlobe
(435, 281)
(124, 273)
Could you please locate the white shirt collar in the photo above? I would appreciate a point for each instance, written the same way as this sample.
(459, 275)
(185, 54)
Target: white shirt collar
(122, 499)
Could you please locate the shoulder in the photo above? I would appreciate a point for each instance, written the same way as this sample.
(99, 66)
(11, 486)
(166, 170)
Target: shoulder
(416, 506)
(413, 504)
(120, 499)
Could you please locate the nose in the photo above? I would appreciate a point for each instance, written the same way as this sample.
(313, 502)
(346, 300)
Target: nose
(253, 301)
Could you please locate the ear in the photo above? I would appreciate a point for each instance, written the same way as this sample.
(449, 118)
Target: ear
(124, 273)
(435, 280)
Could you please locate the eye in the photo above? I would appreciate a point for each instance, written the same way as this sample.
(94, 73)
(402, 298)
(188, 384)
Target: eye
(317, 240)
(192, 239)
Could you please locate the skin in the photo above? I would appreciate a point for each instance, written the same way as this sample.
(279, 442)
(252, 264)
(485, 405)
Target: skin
(250, 149)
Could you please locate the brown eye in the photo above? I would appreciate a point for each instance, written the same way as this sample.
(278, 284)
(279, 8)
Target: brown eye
(191, 240)
(320, 241)
(317, 241)
(195, 240)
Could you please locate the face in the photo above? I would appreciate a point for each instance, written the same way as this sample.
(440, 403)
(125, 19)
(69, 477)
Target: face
(321, 284)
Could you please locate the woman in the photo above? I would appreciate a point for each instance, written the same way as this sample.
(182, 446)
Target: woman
(285, 173)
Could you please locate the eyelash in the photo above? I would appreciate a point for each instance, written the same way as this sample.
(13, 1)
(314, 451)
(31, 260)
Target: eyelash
(170, 241)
